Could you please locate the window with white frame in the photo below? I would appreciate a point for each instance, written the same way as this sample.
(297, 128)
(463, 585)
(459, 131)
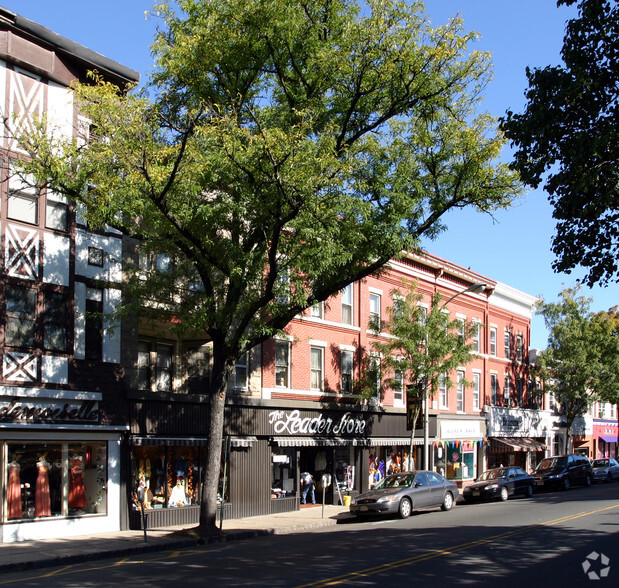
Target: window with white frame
(519, 347)
(56, 212)
(601, 410)
(155, 366)
(507, 390)
(347, 304)
(282, 287)
(346, 365)
(493, 335)
(241, 372)
(375, 310)
(612, 411)
(476, 381)
(398, 387)
(476, 329)
(460, 327)
(316, 368)
(494, 389)
(318, 310)
(442, 391)
(282, 364)
(460, 391)
(507, 343)
(375, 375)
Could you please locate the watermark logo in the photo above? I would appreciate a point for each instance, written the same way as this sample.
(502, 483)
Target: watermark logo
(596, 566)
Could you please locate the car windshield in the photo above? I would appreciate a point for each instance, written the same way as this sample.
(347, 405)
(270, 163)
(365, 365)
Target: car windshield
(396, 481)
(551, 462)
(600, 463)
(492, 475)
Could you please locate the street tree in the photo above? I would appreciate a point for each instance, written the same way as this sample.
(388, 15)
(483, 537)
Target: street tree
(581, 364)
(425, 346)
(283, 150)
(568, 138)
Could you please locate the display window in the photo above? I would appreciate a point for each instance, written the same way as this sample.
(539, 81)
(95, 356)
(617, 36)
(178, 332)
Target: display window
(456, 460)
(171, 476)
(284, 472)
(388, 460)
(55, 479)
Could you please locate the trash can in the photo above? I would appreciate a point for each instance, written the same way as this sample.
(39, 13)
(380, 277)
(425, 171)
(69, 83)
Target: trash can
(346, 500)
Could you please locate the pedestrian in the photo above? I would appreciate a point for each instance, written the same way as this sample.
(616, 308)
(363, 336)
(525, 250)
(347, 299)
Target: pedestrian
(307, 486)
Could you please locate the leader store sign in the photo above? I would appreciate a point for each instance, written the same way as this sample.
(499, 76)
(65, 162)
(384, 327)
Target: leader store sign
(292, 423)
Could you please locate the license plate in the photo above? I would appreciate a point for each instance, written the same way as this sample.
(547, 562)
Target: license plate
(539, 482)
(475, 492)
(363, 508)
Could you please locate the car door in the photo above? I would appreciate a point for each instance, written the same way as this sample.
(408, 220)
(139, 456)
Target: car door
(421, 491)
(437, 489)
(516, 481)
(614, 468)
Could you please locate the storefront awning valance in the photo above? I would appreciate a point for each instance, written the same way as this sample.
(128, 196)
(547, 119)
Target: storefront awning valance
(609, 438)
(318, 442)
(172, 441)
(242, 441)
(383, 441)
(501, 444)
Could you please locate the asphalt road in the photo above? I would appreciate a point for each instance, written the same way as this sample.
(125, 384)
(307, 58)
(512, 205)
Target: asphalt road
(542, 541)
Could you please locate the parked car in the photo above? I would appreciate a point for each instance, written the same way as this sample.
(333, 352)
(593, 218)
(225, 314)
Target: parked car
(500, 483)
(405, 492)
(563, 471)
(605, 469)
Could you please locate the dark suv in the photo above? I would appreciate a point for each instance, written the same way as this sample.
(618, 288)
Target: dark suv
(563, 471)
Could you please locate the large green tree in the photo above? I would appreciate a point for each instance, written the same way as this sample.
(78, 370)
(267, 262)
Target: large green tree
(568, 138)
(581, 363)
(285, 149)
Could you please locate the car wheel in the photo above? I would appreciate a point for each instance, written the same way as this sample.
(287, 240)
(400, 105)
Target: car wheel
(448, 501)
(405, 509)
(587, 481)
(529, 491)
(566, 484)
(504, 493)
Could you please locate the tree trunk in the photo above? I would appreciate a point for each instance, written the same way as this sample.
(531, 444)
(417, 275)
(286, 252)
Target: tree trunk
(210, 480)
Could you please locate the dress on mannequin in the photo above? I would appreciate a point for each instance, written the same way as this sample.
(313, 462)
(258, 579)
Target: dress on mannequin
(42, 506)
(13, 494)
(77, 492)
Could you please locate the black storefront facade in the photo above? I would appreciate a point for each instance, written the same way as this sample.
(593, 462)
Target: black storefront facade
(267, 445)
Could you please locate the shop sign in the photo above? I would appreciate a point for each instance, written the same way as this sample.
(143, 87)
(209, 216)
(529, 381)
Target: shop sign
(49, 411)
(460, 429)
(515, 422)
(292, 423)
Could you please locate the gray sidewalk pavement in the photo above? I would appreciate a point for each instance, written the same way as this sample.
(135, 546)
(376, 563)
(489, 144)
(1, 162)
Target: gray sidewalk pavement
(68, 550)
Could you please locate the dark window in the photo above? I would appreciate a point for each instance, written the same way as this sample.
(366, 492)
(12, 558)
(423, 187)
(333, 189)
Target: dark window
(55, 321)
(20, 316)
(94, 329)
(95, 256)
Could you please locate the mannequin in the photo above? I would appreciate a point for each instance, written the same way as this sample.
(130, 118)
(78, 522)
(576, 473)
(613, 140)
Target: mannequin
(13, 494)
(42, 505)
(178, 497)
(77, 492)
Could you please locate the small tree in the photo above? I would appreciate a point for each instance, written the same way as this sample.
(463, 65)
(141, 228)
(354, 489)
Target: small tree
(581, 363)
(424, 345)
(287, 149)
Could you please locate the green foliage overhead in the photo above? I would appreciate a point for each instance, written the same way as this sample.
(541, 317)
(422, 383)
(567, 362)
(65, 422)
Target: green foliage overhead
(581, 363)
(568, 138)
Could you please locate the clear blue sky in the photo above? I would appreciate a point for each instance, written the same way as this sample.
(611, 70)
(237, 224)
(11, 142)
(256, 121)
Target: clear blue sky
(513, 247)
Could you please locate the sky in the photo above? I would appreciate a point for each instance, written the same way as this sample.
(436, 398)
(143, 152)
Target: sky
(511, 246)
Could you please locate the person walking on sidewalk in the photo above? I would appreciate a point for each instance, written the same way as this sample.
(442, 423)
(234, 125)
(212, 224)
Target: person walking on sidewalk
(307, 485)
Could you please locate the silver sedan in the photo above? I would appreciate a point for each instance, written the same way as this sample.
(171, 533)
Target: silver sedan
(405, 492)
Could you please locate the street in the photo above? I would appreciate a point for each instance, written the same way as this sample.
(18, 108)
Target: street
(540, 541)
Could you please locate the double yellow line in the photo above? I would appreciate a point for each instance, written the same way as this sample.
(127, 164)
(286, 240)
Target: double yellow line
(448, 551)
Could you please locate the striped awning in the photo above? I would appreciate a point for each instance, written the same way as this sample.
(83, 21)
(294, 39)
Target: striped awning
(171, 441)
(318, 442)
(383, 441)
(242, 441)
(503, 444)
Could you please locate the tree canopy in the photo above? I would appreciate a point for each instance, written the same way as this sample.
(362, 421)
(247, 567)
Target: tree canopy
(581, 363)
(283, 150)
(568, 138)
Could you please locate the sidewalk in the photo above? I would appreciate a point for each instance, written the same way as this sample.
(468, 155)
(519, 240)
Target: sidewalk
(69, 550)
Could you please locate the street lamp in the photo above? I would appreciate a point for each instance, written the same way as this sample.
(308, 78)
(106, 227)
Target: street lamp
(476, 288)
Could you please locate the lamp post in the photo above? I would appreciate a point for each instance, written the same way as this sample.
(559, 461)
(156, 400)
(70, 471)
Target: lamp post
(476, 288)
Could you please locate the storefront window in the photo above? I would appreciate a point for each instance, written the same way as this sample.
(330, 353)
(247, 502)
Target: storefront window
(388, 460)
(456, 460)
(171, 477)
(55, 479)
(283, 472)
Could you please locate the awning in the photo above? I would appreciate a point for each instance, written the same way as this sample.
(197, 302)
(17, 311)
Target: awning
(382, 441)
(242, 441)
(318, 442)
(501, 444)
(175, 441)
(608, 438)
